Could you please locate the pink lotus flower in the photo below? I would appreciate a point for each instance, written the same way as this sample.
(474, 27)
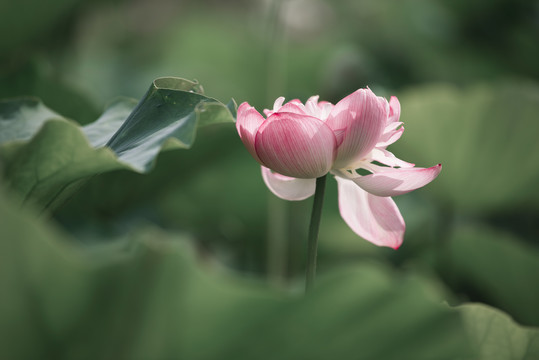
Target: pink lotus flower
(297, 143)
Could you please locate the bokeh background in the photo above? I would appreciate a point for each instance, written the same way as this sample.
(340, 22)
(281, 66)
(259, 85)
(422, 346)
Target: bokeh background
(466, 74)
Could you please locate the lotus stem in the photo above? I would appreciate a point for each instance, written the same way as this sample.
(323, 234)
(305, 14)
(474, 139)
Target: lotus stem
(312, 244)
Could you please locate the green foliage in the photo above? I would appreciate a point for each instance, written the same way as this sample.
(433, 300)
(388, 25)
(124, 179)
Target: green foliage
(96, 281)
(498, 266)
(146, 296)
(149, 295)
(21, 119)
(478, 134)
(45, 156)
(495, 336)
(19, 26)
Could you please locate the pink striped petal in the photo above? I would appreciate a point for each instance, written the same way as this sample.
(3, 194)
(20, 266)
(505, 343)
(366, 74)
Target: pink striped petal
(363, 118)
(293, 106)
(394, 182)
(288, 188)
(248, 122)
(376, 219)
(394, 110)
(296, 145)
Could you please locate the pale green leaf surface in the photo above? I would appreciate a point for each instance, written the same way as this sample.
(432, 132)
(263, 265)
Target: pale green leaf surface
(495, 336)
(485, 136)
(21, 118)
(58, 155)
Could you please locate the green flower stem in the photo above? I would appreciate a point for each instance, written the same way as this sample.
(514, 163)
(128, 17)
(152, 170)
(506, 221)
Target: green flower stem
(312, 245)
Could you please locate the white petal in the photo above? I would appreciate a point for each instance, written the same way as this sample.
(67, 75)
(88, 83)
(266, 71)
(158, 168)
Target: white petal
(376, 219)
(325, 109)
(276, 106)
(278, 103)
(317, 109)
(390, 135)
(288, 188)
(392, 182)
(311, 105)
(387, 158)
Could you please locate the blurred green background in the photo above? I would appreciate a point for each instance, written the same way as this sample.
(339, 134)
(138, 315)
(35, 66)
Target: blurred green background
(466, 74)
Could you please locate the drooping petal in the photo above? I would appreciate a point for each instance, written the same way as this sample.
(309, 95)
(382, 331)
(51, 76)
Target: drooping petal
(362, 117)
(376, 219)
(248, 122)
(393, 182)
(387, 158)
(296, 145)
(288, 188)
